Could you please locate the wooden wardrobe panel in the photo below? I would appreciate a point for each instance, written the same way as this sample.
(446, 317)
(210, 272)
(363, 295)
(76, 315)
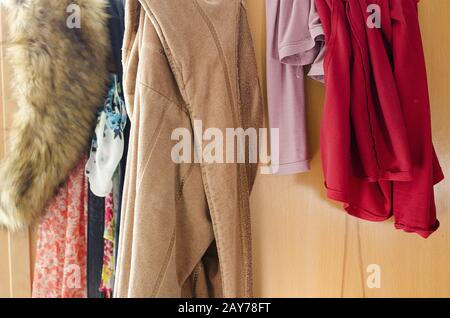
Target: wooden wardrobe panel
(4, 265)
(305, 245)
(298, 244)
(4, 252)
(14, 247)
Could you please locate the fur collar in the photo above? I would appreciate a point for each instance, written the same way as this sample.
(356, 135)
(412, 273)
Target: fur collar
(60, 77)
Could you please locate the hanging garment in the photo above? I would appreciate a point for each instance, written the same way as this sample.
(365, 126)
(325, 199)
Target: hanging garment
(117, 199)
(294, 39)
(185, 228)
(109, 257)
(116, 31)
(105, 156)
(116, 27)
(96, 205)
(106, 286)
(60, 266)
(377, 152)
(108, 142)
(60, 77)
(95, 249)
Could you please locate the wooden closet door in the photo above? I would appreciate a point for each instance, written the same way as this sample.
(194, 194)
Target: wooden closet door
(15, 278)
(306, 246)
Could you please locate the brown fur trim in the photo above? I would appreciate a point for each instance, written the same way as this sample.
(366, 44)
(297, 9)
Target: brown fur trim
(60, 78)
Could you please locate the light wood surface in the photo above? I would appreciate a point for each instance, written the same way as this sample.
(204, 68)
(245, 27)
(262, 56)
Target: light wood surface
(304, 244)
(15, 279)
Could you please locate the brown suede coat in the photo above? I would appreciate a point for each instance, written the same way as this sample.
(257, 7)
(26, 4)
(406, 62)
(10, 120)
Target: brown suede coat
(186, 227)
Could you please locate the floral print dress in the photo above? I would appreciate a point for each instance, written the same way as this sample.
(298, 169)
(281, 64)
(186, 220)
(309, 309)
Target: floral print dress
(60, 267)
(109, 262)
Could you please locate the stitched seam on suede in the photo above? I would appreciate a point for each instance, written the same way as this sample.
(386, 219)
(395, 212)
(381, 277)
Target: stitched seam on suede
(245, 225)
(152, 49)
(163, 271)
(223, 61)
(242, 250)
(184, 181)
(175, 67)
(246, 236)
(239, 101)
(130, 35)
(212, 212)
(249, 258)
(148, 154)
(180, 106)
(233, 112)
(195, 279)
